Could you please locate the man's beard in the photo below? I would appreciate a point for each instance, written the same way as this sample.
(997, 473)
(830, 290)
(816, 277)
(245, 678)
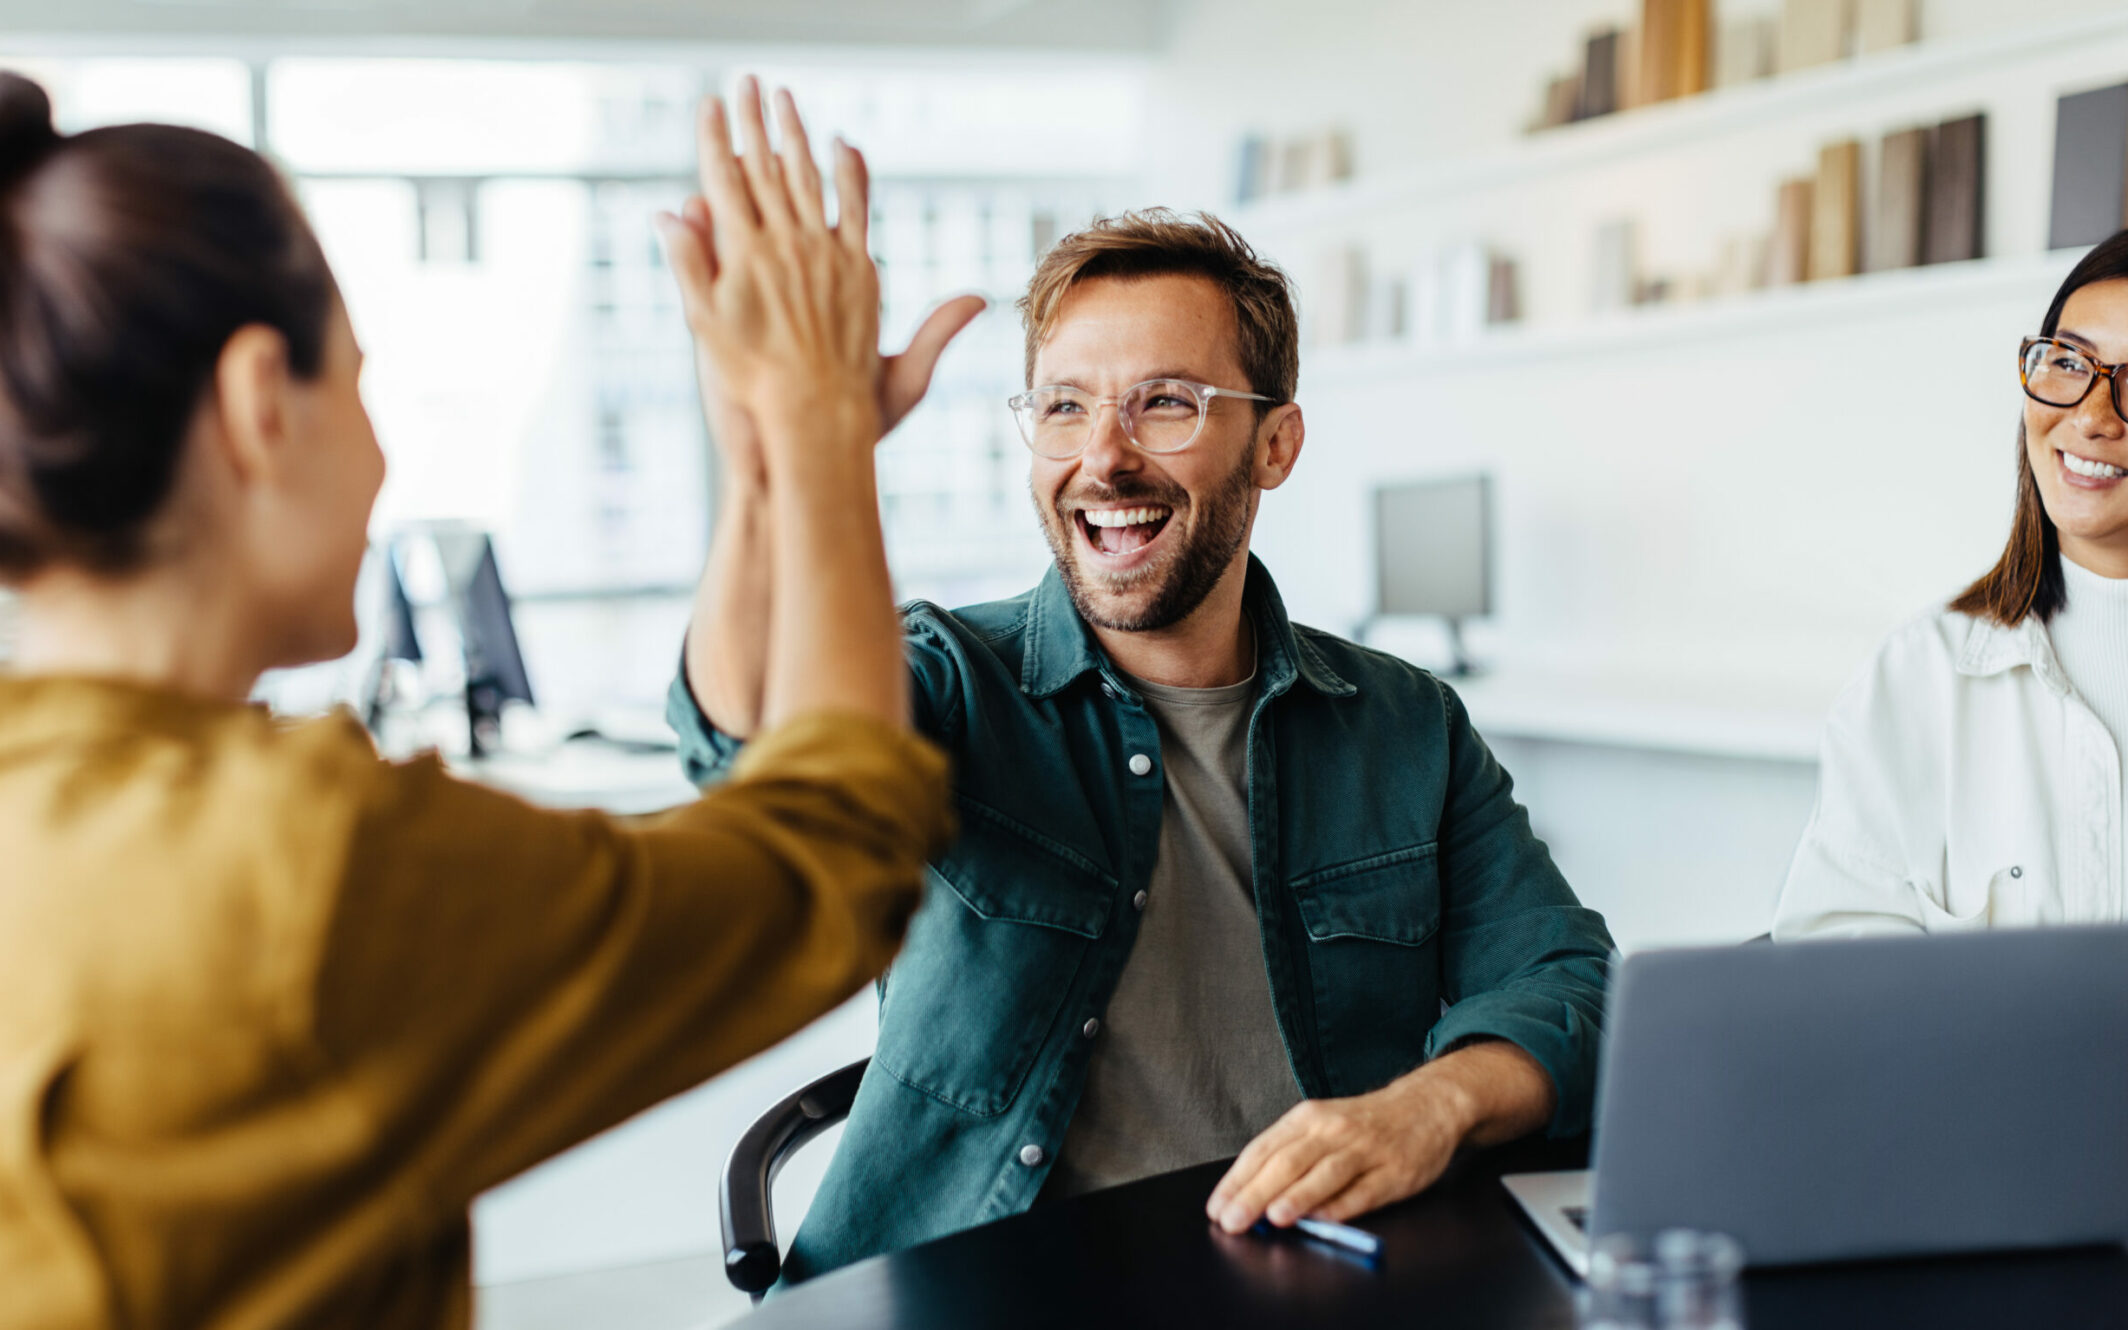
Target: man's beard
(1188, 576)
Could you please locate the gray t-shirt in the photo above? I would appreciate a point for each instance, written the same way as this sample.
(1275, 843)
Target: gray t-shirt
(1189, 1065)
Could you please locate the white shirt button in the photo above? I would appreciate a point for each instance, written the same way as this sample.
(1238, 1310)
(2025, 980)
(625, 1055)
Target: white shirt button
(1140, 764)
(1031, 1155)
(1138, 901)
(1092, 1027)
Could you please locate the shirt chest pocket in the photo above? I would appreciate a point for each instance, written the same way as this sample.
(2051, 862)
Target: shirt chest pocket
(1393, 897)
(1008, 919)
(1373, 965)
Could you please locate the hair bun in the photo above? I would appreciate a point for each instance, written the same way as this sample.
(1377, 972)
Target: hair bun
(26, 131)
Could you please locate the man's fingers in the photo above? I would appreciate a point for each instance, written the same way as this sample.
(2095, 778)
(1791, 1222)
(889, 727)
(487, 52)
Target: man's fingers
(1369, 1191)
(853, 199)
(1278, 1173)
(801, 173)
(759, 160)
(908, 375)
(1330, 1175)
(1246, 1165)
(723, 180)
(687, 253)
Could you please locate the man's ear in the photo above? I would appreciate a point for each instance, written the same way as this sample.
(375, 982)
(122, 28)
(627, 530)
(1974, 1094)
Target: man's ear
(1282, 434)
(251, 401)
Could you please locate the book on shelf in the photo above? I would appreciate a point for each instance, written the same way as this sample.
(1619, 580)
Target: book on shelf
(1895, 233)
(1836, 212)
(1252, 174)
(1813, 32)
(1617, 268)
(1599, 76)
(1628, 70)
(1388, 310)
(1673, 49)
(1740, 266)
(1788, 252)
(1745, 51)
(2090, 167)
(1466, 287)
(1340, 296)
(1881, 25)
(1957, 204)
(1695, 36)
(1330, 158)
(1293, 164)
(1658, 47)
(1562, 100)
(1503, 300)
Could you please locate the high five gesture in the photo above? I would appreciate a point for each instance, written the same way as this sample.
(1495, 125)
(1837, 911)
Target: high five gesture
(784, 308)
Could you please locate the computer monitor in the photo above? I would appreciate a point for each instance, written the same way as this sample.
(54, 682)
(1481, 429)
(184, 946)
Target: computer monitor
(1433, 553)
(477, 607)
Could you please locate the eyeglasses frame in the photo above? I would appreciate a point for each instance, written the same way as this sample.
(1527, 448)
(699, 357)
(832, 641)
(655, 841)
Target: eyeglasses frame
(1207, 394)
(2100, 370)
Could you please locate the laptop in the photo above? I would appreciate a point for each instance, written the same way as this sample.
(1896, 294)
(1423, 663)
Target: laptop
(1856, 1099)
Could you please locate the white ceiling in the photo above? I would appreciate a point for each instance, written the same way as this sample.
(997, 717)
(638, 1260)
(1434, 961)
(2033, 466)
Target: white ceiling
(1105, 25)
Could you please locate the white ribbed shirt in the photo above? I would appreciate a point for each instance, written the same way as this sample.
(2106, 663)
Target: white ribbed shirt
(2090, 637)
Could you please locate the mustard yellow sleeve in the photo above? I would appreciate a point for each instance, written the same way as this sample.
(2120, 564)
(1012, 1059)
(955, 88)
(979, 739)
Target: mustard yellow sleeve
(498, 981)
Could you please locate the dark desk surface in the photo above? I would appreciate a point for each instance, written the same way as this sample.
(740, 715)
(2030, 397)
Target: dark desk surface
(1458, 1255)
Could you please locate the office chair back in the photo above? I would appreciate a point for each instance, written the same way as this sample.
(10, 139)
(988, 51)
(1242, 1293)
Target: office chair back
(746, 1205)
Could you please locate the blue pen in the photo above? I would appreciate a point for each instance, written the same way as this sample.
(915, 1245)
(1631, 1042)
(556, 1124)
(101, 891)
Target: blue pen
(1356, 1240)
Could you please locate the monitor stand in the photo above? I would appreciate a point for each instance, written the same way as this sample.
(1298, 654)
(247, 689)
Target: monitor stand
(1459, 662)
(483, 704)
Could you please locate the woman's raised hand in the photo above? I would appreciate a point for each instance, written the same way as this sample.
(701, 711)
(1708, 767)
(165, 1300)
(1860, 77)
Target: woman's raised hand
(785, 307)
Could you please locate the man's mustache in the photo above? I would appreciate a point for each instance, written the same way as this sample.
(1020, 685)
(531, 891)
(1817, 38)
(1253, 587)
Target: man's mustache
(1173, 496)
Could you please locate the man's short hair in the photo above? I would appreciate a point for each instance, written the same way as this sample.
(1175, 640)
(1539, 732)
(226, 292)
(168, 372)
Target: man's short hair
(1155, 242)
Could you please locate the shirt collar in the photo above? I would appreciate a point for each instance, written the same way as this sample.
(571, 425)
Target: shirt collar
(1060, 648)
(1991, 648)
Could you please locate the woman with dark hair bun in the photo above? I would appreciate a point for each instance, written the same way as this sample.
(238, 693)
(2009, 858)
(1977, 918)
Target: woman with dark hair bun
(273, 1011)
(1972, 774)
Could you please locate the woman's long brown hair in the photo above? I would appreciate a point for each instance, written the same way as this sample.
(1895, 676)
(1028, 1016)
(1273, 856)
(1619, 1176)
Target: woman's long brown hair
(2027, 579)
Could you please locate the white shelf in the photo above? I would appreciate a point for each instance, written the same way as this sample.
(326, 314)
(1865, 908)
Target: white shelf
(1812, 304)
(1592, 144)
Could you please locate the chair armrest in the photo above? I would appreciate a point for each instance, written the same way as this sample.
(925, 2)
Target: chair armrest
(745, 1202)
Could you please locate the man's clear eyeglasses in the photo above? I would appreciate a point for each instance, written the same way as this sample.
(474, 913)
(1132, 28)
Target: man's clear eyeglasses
(1159, 415)
(2061, 374)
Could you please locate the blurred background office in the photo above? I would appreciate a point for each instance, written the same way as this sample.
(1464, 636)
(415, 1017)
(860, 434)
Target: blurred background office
(1658, 360)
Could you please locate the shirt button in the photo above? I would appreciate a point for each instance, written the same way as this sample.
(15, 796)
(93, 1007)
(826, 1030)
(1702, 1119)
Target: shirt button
(1109, 690)
(1138, 901)
(2017, 872)
(1031, 1155)
(1091, 1028)
(1140, 764)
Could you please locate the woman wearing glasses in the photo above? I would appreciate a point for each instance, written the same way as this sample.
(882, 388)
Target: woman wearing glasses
(1972, 776)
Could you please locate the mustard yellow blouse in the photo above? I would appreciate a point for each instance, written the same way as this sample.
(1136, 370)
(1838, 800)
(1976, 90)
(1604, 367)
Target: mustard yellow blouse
(273, 1011)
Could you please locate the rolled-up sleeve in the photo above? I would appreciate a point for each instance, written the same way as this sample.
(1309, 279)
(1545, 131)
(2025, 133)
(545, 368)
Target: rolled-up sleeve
(706, 752)
(1523, 960)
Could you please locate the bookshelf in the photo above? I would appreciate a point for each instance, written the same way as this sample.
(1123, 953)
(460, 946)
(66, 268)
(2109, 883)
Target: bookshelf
(1594, 145)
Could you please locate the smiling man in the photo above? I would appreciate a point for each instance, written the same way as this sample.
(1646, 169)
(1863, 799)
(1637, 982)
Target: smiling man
(1225, 885)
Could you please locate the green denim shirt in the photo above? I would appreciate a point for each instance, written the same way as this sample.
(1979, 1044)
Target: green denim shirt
(1405, 904)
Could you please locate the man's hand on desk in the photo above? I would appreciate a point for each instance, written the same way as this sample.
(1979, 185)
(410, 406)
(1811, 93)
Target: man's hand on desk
(1338, 1158)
